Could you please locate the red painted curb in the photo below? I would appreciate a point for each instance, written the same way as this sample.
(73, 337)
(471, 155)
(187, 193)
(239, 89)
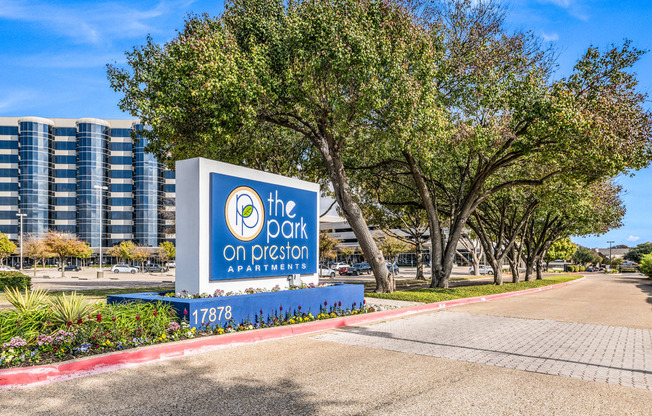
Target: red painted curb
(27, 376)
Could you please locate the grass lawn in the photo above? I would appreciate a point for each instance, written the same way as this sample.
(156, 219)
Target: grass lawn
(429, 295)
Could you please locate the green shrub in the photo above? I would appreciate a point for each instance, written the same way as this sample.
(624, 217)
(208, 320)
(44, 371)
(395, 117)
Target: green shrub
(646, 265)
(9, 280)
(581, 269)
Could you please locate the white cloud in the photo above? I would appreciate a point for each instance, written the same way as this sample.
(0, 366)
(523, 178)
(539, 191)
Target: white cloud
(633, 238)
(549, 37)
(94, 22)
(574, 7)
(16, 99)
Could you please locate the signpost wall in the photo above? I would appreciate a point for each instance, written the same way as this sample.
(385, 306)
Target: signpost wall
(238, 228)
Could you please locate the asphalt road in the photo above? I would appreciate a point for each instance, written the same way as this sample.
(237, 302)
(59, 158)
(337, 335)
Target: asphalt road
(312, 375)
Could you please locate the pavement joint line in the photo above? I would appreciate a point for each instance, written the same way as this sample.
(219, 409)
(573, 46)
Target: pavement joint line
(22, 377)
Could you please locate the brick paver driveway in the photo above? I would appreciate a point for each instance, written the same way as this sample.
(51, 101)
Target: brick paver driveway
(612, 354)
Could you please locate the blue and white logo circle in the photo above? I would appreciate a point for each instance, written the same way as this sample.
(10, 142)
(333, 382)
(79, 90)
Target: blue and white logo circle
(244, 213)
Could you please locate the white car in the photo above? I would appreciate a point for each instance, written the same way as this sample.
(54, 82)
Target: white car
(338, 266)
(172, 264)
(124, 268)
(482, 269)
(326, 272)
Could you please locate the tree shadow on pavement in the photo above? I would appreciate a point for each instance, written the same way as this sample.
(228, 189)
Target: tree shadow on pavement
(176, 387)
(641, 282)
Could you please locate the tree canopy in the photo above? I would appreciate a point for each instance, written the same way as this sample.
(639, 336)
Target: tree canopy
(441, 98)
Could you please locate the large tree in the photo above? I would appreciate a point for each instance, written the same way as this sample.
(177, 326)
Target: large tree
(64, 245)
(331, 77)
(507, 109)
(635, 254)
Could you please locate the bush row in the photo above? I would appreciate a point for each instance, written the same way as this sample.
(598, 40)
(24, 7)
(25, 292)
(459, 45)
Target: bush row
(17, 280)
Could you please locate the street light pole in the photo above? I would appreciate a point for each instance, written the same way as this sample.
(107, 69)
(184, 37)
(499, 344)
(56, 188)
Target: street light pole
(610, 242)
(100, 273)
(20, 216)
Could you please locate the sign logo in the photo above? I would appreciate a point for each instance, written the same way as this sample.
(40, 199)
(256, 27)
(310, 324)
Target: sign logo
(244, 213)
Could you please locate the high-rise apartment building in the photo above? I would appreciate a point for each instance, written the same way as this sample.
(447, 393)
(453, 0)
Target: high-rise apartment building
(77, 175)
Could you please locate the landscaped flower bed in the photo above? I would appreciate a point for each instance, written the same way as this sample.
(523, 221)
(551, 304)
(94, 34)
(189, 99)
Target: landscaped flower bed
(219, 309)
(42, 331)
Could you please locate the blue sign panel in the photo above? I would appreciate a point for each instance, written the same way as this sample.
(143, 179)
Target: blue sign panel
(260, 229)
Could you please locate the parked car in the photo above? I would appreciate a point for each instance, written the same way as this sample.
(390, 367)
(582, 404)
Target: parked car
(326, 271)
(172, 264)
(7, 269)
(393, 269)
(349, 271)
(363, 267)
(124, 268)
(157, 268)
(482, 269)
(338, 266)
(71, 267)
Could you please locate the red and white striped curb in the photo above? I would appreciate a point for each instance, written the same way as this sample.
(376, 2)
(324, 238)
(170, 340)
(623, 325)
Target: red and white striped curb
(29, 376)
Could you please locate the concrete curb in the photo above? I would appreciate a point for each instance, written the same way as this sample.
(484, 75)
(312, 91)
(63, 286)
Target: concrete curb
(30, 376)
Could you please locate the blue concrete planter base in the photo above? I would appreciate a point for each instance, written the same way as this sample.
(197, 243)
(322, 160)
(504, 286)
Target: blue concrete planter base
(252, 308)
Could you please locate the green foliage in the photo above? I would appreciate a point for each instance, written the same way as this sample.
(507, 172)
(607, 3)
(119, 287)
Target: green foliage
(638, 252)
(584, 255)
(26, 301)
(168, 248)
(646, 264)
(7, 247)
(392, 247)
(327, 245)
(16, 280)
(431, 295)
(562, 249)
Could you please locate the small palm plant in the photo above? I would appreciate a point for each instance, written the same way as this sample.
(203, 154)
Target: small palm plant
(27, 301)
(69, 309)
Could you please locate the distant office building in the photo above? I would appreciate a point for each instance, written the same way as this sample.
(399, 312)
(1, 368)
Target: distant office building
(77, 175)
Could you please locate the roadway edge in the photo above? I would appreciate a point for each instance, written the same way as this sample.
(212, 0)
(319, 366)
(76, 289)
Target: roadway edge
(29, 376)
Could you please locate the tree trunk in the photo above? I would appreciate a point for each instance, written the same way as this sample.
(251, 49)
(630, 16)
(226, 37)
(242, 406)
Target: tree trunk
(513, 266)
(476, 262)
(539, 269)
(63, 268)
(496, 264)
(353, 215)
(419, 255)
(35, 263)
(529, 270)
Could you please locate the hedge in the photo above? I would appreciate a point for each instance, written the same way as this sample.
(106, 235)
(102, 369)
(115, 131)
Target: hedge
(10, 280)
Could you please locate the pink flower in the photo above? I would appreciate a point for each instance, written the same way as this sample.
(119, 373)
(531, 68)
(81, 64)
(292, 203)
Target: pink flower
(99, 318)
(138, 317)
(325, 303)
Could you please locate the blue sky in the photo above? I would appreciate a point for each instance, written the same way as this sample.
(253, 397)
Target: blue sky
(53, 56)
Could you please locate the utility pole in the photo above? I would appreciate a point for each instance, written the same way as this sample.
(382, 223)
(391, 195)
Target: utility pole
(100, 273)
(20, 216)
(610, 242)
